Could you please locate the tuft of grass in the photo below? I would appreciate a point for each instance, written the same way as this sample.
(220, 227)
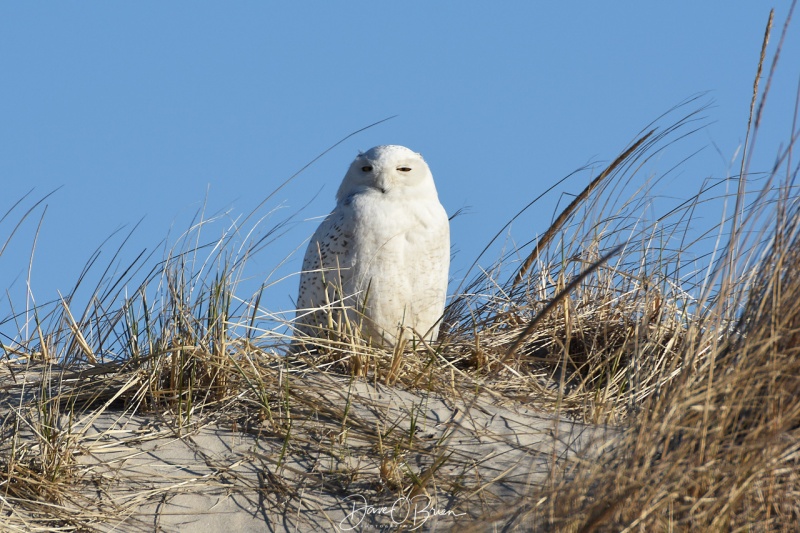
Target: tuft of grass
(714, 446)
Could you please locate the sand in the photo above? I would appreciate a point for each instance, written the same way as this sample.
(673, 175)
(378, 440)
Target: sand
(354, 453)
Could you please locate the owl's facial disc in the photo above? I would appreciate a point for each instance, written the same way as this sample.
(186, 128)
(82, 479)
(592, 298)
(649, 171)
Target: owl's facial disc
(388, 169)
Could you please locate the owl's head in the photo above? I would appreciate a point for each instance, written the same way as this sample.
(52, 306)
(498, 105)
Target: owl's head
(388, 170)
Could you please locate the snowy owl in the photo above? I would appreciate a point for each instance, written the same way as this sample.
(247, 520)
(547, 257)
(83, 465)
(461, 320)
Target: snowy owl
(382, 255)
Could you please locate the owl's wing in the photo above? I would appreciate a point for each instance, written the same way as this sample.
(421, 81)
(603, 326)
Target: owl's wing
(324, 263)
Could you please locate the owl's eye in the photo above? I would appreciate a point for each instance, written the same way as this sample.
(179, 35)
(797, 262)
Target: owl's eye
(367, 168)
(404, 169)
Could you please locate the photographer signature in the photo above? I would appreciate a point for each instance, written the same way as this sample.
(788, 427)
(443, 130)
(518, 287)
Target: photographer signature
(412, 511)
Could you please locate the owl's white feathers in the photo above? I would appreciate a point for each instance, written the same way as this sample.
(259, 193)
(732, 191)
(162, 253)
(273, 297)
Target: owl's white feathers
(383, 254)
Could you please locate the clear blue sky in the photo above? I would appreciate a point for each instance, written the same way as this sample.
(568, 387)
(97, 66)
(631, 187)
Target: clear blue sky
(137, 110)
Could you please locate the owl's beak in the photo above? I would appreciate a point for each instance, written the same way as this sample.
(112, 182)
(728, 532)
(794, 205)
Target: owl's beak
(380, 184)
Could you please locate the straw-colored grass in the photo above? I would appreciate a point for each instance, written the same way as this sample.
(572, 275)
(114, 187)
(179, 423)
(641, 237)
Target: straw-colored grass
(683, 371)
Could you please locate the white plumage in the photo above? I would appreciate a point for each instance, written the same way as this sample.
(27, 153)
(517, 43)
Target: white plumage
(383, 254)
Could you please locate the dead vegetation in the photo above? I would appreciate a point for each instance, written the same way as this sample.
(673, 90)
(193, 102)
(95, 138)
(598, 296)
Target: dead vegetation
(638, 391)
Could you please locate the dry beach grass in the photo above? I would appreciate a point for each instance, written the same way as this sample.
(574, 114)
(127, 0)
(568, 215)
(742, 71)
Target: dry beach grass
(593, 379)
